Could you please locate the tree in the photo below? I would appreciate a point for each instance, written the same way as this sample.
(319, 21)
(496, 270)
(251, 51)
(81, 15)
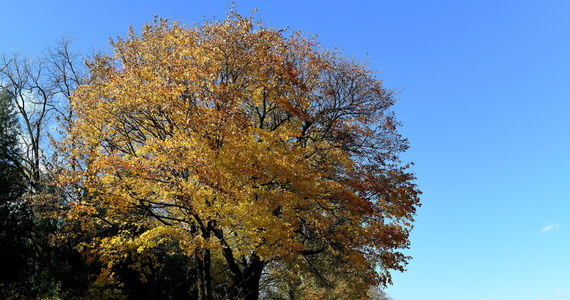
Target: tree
(31, 98)
(36, 92)
(40, 89)
(243, 148)
(10, 152)
(15, 222)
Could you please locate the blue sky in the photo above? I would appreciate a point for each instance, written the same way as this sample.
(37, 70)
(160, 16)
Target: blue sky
(484, 89)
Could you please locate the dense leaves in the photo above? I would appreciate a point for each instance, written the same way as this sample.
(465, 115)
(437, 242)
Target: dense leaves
(247, 152)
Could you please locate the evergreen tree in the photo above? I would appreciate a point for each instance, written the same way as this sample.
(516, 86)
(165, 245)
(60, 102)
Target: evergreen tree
(15, 216)
(10, 153)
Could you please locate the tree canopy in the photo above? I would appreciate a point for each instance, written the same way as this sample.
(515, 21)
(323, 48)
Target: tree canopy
(263, 159)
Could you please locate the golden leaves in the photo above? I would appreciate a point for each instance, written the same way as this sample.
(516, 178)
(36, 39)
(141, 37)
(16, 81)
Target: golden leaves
(231, 135)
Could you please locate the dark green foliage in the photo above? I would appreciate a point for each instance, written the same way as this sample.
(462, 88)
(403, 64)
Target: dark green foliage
(30, 266)
(11, 175)
(15, 216)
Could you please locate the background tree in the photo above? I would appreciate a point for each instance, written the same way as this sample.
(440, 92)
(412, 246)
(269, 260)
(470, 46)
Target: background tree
(10, 152)
(31, 97)
(37, 92)
(15, 221)
(242, 149)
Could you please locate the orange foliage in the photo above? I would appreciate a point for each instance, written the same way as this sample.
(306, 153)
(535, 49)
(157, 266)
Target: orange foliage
(244, 141)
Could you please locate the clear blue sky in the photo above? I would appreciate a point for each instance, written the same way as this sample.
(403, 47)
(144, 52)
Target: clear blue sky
(484, 99)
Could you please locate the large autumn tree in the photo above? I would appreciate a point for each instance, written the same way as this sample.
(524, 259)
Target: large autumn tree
(249, 150)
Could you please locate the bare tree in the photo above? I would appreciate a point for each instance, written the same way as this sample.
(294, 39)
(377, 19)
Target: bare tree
(41, 89)
(24, 78)
(66, 73)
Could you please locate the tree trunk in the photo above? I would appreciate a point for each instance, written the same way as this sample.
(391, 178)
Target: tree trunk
(246, 285)
(253, 275)
(246, 275)
(205, 277)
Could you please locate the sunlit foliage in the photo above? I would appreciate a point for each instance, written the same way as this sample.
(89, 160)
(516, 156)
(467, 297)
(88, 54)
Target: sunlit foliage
(244, 148)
